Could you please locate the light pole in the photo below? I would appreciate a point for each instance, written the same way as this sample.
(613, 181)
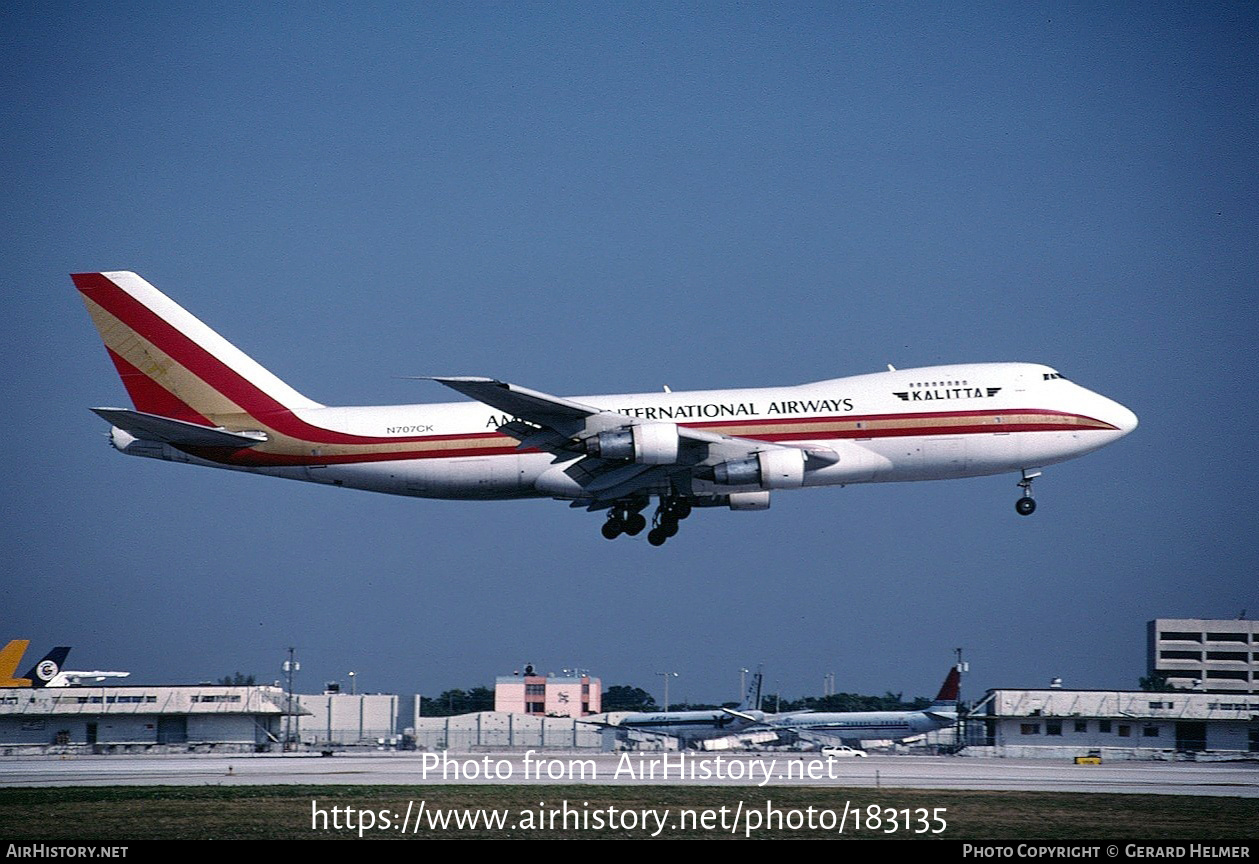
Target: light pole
(290, 666)
(352, 690)
(743, 683)
(666, 676)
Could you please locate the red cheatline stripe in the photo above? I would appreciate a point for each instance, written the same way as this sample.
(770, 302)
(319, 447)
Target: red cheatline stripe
(253, 457)
(874, 418)
(910, 431)
(150, 397)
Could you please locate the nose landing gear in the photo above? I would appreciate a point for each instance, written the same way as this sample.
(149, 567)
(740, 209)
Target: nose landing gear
(1026, 505)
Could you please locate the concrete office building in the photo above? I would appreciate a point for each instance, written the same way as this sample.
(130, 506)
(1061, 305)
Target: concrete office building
(1204, 654)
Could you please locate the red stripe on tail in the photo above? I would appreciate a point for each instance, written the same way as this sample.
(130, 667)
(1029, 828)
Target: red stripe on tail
(152, 398)
(952, 684)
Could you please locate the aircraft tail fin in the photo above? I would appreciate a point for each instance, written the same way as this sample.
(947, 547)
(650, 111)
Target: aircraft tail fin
(752, 698)
(48, 667)
(10, 656)
(947, 697)
(173, 365)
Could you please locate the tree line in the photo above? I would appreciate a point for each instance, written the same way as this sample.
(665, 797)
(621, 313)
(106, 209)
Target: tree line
(626, 697)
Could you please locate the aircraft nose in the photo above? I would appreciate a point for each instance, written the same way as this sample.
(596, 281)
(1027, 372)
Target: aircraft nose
(1121, 418)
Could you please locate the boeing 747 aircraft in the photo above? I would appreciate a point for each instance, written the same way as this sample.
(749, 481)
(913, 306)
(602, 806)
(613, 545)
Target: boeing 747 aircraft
(197, 399)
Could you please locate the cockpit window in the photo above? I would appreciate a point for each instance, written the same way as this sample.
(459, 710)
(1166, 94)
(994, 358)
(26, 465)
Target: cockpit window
(1053, 376)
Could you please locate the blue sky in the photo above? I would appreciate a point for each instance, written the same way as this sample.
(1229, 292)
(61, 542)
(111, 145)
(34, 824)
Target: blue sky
(590, 199)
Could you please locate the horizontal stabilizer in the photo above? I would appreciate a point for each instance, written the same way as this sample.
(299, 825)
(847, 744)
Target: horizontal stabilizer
(152, 427)
(742, 715)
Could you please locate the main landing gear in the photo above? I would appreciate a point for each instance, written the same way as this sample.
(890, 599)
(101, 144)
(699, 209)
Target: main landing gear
(665, 523)
(1026, 505)
(626, 519)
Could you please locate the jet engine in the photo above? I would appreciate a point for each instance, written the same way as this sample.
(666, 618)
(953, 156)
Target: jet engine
(769, 469)
(645, 443)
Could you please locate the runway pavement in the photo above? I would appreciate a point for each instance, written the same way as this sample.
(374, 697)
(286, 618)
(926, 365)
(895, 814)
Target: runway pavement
(1239, 779)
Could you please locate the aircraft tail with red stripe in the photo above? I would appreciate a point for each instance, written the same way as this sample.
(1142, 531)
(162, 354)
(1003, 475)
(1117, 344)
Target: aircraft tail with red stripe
(175, 367)
(944, 708)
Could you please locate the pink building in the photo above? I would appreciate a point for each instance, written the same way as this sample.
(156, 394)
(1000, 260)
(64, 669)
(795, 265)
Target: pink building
(554, 696)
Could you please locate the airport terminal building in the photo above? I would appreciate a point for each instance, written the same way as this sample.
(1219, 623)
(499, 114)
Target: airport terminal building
(1113, 724)
(141, 719)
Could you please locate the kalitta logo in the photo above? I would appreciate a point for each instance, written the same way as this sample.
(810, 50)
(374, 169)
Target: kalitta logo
(948, 393)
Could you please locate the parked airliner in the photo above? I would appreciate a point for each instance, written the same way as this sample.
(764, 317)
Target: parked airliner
(853, 727)
(691, 727)
(199, 400)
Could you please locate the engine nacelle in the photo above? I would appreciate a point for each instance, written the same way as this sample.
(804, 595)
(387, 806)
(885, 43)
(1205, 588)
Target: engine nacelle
(770, 469)
(749, 500)
(646, 444)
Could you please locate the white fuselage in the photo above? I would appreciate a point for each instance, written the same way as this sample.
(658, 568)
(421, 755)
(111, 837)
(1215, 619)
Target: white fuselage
(867, 725)
(687, 726)
(911, 424)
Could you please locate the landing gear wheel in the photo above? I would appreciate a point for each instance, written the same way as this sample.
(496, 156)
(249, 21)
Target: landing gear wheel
(1026, 505)
(635, 523)
(656, 537)
(668, 527)
(677, 509)
(612, 529)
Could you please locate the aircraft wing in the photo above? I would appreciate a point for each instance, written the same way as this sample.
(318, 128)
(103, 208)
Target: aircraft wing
(602, 724)
(573, 431)
(539, 408)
